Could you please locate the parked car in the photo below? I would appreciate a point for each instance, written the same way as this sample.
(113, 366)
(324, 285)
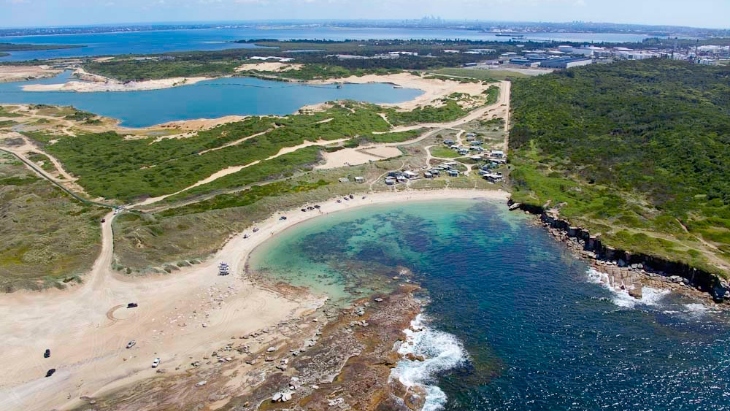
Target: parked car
(50, 372)
(132, 305)
(282, 218)
(47, 353)
(131, 344)
(155, 363)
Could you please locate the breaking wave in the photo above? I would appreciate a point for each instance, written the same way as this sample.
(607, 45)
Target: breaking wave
(649, 296)
(440, 351)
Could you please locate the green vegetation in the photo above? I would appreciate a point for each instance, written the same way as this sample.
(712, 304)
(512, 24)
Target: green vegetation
(111, 166)
(47, 235)
(152, 68)
(492, 94)
(42, 161)
(451, 78)
(280, 167)
(245, 197)
(450, 111)
(444, 152)
(7, 123)
(320, 61)
(634, 150)
(484, 75)
(5, 113)
(79, 115)
(36, 47)
(397, 137)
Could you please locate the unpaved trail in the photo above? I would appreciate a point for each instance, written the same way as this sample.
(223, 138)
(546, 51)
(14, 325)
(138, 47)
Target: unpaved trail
(88, 348)
(237, 142)
(87, 327)
(235, 169)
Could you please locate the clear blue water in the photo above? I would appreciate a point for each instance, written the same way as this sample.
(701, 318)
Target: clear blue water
(207, 99)
(217, 39)
(514, 322)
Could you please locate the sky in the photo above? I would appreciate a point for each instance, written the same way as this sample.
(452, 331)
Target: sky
(696, 13)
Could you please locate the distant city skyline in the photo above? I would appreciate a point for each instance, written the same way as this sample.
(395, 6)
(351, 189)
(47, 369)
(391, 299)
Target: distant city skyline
(695, 13)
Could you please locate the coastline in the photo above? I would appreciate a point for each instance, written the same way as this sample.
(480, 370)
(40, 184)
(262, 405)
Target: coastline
(295, 216)
(196, 312)
(625, 272)
(9, 73)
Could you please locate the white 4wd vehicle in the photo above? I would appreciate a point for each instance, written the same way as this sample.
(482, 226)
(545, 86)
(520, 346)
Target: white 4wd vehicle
(155, 363)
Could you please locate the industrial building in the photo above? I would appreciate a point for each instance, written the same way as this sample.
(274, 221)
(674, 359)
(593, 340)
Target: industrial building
(565, 63)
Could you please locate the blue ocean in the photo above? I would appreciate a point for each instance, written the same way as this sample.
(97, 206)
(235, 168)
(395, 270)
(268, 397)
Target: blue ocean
(147, 42)
(512, 321)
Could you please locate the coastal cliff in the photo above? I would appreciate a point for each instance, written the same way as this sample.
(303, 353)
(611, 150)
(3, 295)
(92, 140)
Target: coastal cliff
(625, 267)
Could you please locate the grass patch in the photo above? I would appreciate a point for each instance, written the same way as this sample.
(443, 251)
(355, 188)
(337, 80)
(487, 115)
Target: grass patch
(634, 145)
(47, 235)
(484, 75)
(444, 152)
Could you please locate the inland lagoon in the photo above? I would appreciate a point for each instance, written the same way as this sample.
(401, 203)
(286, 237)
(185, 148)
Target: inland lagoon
(512, 321)
(206, 99)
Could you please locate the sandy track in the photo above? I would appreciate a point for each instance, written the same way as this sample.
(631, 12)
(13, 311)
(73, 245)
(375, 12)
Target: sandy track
(87, 330)
(88, 348)
(235, 169)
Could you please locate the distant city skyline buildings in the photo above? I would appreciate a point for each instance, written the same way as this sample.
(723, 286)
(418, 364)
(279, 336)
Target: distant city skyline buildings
(695, 13)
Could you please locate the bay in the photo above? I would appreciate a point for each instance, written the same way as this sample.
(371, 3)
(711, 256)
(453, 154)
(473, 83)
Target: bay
(513, 322)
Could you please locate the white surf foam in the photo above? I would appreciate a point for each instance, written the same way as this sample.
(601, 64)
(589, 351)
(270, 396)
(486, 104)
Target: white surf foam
(441, 351)
(649, 296)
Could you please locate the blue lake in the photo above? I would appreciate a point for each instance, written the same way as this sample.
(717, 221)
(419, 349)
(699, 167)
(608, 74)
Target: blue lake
(146, 42)
(207, 99)
(513, 322)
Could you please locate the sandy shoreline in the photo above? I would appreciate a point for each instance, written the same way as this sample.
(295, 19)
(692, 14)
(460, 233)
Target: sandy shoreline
(110, 85)
(92, 83)
(181, 316)
(23, 73)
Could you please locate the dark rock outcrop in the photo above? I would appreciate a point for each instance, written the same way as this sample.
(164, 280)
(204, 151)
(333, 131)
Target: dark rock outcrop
(592, 247)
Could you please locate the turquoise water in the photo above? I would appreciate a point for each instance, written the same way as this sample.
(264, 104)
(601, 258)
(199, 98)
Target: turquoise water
(207, 99)
(147, 42)
(513, 321)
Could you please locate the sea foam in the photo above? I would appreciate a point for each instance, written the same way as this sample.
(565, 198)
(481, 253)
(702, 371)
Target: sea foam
(441, 351)
(649, 296)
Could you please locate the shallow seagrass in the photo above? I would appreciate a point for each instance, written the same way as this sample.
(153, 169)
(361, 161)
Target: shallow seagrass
(540, 332)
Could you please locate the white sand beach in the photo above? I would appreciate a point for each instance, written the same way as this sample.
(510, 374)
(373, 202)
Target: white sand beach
(182, 315)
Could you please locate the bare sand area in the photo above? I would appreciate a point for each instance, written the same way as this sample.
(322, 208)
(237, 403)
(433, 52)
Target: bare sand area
(114, 85)
(433, 89)
(272, 67)
(180, 316)
(20, 73)
(356, 156)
